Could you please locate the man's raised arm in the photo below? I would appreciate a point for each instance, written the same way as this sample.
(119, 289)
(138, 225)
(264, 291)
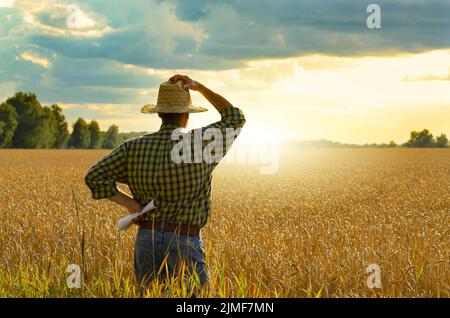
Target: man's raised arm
(218, 101)
(228, 127)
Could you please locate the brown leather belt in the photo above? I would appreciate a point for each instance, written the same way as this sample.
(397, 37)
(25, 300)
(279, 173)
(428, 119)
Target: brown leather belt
(171, 227)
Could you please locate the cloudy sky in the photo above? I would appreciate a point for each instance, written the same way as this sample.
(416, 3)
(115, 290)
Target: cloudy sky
(307, 69)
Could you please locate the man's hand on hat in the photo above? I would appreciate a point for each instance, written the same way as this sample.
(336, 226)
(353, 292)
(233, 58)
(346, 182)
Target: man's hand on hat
(187, 82)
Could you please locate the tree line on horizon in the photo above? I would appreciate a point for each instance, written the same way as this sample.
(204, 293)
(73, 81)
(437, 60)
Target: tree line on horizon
(417, 139)
(25, 123)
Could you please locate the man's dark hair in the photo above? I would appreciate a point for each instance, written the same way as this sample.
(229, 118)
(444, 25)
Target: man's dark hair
(171, 118)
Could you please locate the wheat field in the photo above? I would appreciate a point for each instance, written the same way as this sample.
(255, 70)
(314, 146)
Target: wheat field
(310, 230)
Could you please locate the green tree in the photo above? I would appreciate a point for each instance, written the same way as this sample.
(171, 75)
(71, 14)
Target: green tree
(392, 144)
(62, 131)
(8, 124)
(34, 121)
(80, 137)
(112, 138)
(421, 139)
(47, 126)
(128, 135)
(442, 141)
(95, 134)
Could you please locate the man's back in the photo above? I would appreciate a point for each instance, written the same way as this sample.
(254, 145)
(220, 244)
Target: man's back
(146, 164)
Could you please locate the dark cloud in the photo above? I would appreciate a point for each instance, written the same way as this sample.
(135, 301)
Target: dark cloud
(136, 47)
(242, 30)
(71, 80)
(310, 26)
(201, 34)
(96, 72)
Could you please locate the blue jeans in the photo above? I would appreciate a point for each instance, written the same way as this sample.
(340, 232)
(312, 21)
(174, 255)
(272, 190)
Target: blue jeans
(152, 247)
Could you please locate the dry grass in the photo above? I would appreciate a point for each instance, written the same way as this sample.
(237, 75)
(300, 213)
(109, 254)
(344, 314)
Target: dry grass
(308, 231)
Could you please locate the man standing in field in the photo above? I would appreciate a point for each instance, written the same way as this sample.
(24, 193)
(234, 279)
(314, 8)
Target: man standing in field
(170, 234)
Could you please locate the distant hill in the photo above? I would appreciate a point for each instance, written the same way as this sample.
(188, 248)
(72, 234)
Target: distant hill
(324, 143)
(128, 135)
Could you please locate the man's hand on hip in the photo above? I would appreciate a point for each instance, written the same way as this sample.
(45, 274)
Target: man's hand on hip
(128, 202)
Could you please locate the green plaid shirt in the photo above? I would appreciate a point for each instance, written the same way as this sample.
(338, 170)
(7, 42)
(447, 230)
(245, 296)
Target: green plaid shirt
(182, 190)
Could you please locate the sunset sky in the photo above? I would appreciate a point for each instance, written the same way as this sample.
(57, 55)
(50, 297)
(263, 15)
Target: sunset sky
(307, 69)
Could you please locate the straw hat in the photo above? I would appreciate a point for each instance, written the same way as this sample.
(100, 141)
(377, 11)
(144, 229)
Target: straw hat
(172, 98)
